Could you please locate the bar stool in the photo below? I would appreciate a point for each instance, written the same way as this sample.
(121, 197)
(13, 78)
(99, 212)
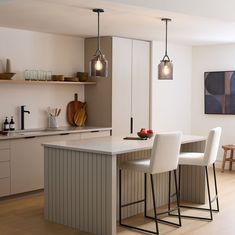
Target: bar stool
(164, 158)
(204, 159)
(230, 159)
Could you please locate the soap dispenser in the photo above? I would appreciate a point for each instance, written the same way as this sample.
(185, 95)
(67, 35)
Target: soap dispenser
(12, 124)
(6, 125)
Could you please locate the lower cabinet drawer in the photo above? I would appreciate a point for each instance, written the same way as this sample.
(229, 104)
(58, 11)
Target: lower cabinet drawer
(4, 169)
(4, 155)
(4, 187)
(4, 144)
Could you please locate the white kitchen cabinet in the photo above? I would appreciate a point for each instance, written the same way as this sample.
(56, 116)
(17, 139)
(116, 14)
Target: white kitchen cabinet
(4, 155)
(5, 187)
(4, 168)
(4, 144)
(124, 96)
(130, 85)
(121, 86)
(27, 161)
(140, 108)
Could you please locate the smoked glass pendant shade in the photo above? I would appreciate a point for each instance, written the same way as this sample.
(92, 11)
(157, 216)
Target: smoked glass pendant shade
(98, 66)
(165, 69)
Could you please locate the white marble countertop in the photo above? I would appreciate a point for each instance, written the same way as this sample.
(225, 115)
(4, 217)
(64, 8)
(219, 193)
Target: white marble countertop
(113, 145)
(46, 132)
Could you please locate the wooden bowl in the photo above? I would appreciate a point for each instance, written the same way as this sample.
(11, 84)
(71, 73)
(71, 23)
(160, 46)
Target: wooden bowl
(83, 76)
(6, 76)
(57, 77)
(71, 79)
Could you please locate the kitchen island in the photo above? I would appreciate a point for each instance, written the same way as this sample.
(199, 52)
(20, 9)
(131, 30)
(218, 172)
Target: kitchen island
(81, 181)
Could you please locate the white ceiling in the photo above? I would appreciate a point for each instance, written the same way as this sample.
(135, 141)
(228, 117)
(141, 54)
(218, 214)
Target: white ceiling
(194, 22)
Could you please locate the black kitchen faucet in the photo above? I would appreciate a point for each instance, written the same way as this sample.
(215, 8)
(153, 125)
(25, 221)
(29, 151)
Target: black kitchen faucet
(22, 116)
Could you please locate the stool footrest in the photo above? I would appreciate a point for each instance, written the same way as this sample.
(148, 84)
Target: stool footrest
(165, 221)
(164, 212)
(198, 208)
(193, 217)
(132, 203)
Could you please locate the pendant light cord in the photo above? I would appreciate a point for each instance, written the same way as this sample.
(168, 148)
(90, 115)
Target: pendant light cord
(98, 11)
(166, 57)
(166, 39)
(98, 30)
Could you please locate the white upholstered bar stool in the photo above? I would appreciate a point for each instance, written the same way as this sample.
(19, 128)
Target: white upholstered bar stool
(164, 158)
(204, 159)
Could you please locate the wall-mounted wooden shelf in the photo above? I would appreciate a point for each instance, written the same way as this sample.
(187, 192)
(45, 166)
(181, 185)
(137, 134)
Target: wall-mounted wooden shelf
(46, 82)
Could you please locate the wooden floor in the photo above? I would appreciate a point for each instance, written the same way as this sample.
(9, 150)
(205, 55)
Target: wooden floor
(24, 216)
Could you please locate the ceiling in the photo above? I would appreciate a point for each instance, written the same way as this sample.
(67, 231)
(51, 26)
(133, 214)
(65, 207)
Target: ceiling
(194, 22)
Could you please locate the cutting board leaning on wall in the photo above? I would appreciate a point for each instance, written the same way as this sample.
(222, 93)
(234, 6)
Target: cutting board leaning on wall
(76, 112)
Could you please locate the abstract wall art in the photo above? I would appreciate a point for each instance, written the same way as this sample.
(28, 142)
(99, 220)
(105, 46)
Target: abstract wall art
(220, 92)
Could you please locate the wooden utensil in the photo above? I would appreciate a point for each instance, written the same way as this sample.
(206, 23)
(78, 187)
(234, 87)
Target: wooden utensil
(58, 113)
(72, 108)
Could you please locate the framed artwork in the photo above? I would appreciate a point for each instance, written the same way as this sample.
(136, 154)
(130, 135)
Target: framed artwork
(219, 92)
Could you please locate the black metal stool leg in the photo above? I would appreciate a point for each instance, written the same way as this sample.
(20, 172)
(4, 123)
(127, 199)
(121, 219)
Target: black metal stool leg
(179, 181)
(120, 194)
(177, 198)
(210, 218)
(209, 194)
(169, 193)
(154, 204)
(145, 195)
(132, 203)
(169, 207)
(216, 190)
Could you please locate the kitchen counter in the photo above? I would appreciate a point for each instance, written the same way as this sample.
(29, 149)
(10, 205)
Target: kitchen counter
(47, 132)
(81, 181)
(114, 145)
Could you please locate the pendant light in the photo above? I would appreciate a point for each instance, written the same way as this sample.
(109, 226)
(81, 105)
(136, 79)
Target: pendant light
(165, 68)
(98, 66)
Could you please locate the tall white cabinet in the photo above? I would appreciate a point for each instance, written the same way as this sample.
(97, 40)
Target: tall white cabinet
(122, 99)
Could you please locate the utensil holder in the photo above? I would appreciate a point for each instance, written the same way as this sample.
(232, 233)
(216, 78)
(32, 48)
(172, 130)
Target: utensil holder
(52, 122)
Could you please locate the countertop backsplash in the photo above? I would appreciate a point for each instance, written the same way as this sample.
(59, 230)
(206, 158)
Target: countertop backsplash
(37, 99)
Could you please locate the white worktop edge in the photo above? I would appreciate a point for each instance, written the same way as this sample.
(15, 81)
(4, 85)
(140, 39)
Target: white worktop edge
(41, 132)
(135, 145)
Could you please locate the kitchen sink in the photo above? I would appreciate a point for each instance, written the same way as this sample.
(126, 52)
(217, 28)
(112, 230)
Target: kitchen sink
(30, 133)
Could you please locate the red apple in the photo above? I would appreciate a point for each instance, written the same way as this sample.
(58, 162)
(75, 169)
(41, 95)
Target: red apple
(150, 131)
(143, 131)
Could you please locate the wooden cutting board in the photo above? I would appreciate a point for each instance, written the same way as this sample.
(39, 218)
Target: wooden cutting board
(80, 116)
(72, 108)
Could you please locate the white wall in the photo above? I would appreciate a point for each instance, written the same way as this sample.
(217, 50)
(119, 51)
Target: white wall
(33, 50)
(171, 99)
(211, 58)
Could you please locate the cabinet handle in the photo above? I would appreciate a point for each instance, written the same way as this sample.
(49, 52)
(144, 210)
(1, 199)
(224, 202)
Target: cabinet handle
(64, 133)
(95, 131)
(131, 125)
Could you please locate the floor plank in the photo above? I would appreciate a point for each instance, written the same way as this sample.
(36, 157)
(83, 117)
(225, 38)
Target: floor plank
(24, 216)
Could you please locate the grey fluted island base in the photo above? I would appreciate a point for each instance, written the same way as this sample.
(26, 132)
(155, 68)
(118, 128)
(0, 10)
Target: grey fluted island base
(81, 186)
